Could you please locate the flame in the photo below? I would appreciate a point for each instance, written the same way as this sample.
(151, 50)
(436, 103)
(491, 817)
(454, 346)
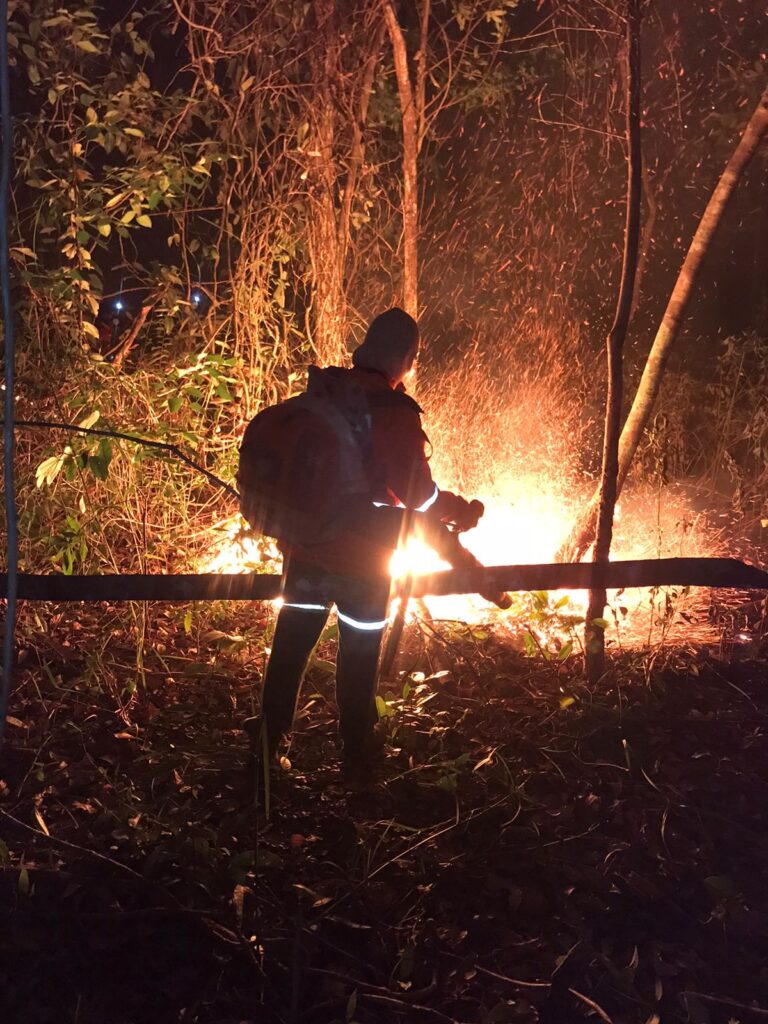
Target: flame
(527, 517)
(415, 558)
(513, 443)
(233, 548)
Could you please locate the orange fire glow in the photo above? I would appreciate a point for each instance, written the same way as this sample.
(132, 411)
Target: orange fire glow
(232, 548)
(524, 523)
(519, 460)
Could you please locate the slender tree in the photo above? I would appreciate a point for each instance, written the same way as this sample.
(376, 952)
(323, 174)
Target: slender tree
(583, 534)
(337, 109)
(595, 632)
(412, 100)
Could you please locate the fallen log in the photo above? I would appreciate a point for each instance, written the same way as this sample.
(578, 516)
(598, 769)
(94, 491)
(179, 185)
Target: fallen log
(680, 572)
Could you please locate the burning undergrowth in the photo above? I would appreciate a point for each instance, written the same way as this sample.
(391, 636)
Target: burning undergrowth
(520, 440)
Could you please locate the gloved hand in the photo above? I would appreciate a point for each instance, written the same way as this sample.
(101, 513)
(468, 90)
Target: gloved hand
(469, 515)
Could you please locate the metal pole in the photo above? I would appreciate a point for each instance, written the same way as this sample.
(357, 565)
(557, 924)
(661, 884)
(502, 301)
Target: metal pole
(11, 522)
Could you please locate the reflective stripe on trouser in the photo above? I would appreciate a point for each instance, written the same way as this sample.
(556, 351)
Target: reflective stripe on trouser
(300, 623)
(362, 623)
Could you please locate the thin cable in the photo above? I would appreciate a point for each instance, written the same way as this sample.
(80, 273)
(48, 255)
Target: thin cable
(11, 521)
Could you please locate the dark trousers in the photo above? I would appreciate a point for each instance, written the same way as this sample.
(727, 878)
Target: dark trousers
(362, 608)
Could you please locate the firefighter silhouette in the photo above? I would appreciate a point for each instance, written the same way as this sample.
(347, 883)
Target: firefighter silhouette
(339, 476)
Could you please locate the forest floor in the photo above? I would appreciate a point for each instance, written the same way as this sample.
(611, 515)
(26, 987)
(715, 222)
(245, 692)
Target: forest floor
(532, 849)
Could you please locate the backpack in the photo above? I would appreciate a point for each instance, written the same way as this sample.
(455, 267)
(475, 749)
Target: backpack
(303, 461)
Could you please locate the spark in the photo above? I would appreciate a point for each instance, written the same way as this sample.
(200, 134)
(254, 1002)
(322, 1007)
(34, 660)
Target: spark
(513, 443)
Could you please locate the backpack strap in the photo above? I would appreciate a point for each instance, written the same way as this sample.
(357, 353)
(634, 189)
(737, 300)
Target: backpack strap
(336, 385)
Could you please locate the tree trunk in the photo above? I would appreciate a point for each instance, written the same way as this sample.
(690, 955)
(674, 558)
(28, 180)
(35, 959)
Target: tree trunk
(583, 533)
(650, 197)
(338, 112)
(329, 301)
(412, 126)
(594, 632)
(357, 145)
(9, 411)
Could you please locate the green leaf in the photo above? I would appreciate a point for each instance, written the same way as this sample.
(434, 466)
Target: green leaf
(384, 710)
(48, 470)
(115, 200)
(600, 623)
(144, 220)
(99, 462)
(104, 228)
(351, 1006)
(23, 883)
(90, 419)
(565, 651)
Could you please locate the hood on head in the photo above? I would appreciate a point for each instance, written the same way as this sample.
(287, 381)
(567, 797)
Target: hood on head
(390, 345)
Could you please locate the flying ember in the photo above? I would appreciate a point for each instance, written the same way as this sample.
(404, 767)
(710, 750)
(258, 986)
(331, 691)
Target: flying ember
(526, 518)
(521, 459)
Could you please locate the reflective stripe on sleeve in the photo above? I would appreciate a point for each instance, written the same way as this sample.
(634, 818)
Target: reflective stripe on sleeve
(421, 508)
(430, 501)
(358, 624)
(307, 607)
